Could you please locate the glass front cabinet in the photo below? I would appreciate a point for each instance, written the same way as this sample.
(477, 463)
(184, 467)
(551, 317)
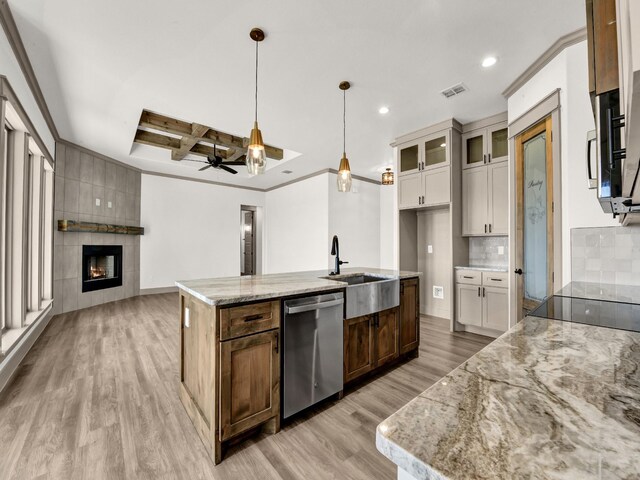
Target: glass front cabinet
(485, 146)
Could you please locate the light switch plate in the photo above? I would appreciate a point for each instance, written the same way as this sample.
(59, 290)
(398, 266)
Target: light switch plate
(97, 202)
(438, 292)
(109, 205)
(429, 248)
(500, 250)
(187, 318)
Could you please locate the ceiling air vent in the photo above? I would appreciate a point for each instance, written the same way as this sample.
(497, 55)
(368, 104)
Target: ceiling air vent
(287, 172)
(457, 89)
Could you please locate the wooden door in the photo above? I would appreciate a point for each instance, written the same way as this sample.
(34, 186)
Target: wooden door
(358, 347)
(437, 186)
(386, 336)
(498, 219)
(474, 149)
(475, 201)
(249, 382)
(410, 191)
(495, 308)
(409, 315)
(534, 216)
(469, 305)
(602, 46)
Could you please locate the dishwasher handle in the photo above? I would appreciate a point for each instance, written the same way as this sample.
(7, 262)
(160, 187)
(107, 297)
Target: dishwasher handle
(313, 306)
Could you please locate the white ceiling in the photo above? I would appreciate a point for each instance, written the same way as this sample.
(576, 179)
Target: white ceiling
(100, 63)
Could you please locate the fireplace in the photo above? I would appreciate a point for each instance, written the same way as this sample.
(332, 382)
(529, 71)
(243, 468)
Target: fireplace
(101, 267)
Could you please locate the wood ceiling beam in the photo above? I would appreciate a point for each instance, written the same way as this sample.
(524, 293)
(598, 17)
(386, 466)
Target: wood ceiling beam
(170, 143)
(188, 141)
(173, 126)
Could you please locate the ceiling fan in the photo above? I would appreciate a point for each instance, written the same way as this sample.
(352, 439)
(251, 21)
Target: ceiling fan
(216, 161)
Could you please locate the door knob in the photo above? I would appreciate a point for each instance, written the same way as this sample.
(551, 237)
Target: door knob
(518, 271)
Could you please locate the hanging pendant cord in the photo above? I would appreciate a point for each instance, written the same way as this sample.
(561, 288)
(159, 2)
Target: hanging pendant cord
(344, 122)
(256, 96)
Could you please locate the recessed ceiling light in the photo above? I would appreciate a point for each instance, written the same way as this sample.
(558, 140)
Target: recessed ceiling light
(383, 110)
(489, 62)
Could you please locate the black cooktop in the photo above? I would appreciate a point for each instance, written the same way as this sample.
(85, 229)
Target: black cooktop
(599, 313)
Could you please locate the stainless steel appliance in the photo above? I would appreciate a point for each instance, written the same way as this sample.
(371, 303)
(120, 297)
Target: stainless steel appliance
(367, 293)
(606, 174)
(312, 350)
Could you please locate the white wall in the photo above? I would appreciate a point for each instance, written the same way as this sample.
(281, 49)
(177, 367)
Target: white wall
(297, 226)
(192, 230)
(568, 72)
(355, 218)
(10, 68)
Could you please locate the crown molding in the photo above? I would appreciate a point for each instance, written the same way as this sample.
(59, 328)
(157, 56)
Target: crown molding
(551, 53)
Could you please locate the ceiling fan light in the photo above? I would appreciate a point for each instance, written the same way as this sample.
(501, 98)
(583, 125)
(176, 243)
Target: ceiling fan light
(387, 177)
(256, 159)
(344, 175)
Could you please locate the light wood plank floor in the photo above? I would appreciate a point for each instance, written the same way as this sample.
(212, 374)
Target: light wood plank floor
(97, 398)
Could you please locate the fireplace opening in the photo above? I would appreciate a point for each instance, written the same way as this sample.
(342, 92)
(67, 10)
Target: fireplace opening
(101, 267)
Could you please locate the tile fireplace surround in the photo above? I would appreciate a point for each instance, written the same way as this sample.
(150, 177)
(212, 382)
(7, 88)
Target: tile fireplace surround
(81, 178)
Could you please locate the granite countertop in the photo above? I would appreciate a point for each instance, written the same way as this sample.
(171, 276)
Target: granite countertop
(483, 268)
(548, 399)
(230, 290)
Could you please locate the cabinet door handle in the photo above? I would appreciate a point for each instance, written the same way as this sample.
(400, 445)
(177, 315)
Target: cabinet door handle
(478, 291)
(466, 276)
(496, 279)
(489, 228)
(485, 228)
(488, 158)
(484, 158)
(423, 199)
(277, 338)
(483, 291)
(252, 318)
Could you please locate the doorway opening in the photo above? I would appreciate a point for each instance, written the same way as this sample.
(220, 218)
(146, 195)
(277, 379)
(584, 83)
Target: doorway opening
(248, 235)
(534, 216)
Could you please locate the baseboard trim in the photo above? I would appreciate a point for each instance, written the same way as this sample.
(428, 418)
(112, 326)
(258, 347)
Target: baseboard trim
(9, 366)
(154, 291)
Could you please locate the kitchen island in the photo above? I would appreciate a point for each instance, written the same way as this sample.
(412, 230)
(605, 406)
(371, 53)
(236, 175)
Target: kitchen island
(231, 345)
(548, 399)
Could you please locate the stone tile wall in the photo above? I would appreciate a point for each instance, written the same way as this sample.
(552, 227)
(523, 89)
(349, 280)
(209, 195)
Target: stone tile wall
(81, 178)
(606, 255)
(483, 251)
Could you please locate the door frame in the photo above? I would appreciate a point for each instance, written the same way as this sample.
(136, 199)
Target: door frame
(549, 106)
(254, 236)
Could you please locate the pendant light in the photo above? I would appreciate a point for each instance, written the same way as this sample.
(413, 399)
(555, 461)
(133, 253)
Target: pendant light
(256, 158)
(344, 171)
(387, 177)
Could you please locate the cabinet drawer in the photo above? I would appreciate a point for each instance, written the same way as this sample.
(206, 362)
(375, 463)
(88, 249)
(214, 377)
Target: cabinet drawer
(470, 277)
(495, 279)
(247, 319)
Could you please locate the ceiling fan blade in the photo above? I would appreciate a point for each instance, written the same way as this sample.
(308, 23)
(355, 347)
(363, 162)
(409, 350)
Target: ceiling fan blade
(235, 162)
(227, 169)
(204, 168)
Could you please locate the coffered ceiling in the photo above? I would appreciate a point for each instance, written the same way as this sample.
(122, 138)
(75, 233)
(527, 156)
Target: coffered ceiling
(99, 64)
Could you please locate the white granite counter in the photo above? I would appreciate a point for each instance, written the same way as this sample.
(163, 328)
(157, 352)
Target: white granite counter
(231, 290)
(546, 400)
(482, 268)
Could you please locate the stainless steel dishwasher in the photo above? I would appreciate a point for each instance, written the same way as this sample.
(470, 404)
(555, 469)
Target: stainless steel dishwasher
(312, 350)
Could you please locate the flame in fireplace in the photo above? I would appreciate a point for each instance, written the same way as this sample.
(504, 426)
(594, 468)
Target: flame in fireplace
(98, 272)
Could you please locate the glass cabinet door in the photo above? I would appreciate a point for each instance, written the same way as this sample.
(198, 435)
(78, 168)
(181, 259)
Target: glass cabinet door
(498, 144)
(409, 161)
(473, 150)
(436, 152)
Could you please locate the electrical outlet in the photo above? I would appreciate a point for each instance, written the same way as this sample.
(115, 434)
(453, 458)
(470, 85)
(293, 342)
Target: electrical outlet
(97, 202)
(438, 292)
(109, 205)
(500, 250)
(187, 319)
(429, 248)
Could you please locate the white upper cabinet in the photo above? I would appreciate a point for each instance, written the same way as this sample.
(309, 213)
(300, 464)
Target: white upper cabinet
(475, 199)
(436, 150)
(410, 191)
(498, 195)
(498, 144)
(485, 146)
(409, 158)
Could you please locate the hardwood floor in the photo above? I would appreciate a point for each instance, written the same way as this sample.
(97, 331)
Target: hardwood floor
(97, 398)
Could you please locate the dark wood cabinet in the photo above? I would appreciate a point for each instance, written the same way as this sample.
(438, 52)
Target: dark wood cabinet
(249, 379)
(602, 41)
(386, 336)
(358, 347)
(409, 315)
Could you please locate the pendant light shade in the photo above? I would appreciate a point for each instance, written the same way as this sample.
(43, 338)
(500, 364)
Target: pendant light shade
(387, 177)
(344, 171)
(256, 159)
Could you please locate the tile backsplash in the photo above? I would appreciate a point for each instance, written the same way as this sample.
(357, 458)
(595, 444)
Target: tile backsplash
(606, 255)
(484, 251)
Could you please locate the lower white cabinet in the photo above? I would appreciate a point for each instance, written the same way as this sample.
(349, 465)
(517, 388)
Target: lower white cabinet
(481, 303)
